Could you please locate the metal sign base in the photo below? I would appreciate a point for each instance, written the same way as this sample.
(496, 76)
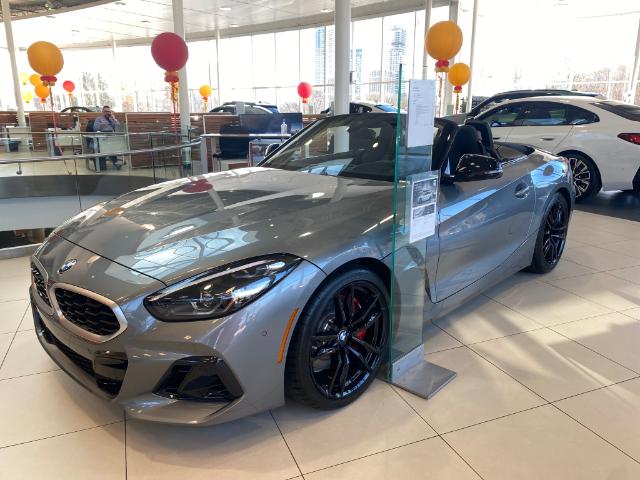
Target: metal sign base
(415, 375)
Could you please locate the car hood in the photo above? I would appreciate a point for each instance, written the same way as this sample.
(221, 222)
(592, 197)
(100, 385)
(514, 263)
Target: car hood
(175, 229)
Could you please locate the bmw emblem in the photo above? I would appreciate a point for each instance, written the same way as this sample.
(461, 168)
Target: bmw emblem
(68, 265)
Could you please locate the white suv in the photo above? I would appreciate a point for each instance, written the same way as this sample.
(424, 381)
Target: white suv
(600, 137)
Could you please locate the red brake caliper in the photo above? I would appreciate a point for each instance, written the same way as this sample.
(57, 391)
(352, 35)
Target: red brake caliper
(360, 335)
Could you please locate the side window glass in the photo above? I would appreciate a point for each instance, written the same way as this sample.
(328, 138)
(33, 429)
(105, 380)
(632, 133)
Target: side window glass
(544, 114)
(502, 117)
(580, 116)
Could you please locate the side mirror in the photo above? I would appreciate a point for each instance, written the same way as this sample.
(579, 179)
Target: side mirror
(472, 167)
(272, 147)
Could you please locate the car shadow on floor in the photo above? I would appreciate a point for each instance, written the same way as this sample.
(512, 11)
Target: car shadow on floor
(615, 204)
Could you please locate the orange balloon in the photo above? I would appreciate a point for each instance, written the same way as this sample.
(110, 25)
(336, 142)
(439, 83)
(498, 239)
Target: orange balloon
(42, 91)
(45, 58)
(34, 79)
(443, 40)
(459, 74)
(205, 91)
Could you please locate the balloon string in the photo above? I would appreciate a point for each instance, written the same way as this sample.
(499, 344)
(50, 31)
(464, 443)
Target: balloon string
(440, 94)
(457, 102)
(55, 132)
(175, 124)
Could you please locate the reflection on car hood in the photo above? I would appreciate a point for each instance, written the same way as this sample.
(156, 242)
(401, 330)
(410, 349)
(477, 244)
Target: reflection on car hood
(179, 228)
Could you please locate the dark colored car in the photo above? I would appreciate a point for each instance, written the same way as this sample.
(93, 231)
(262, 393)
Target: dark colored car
(249, 107)
(77, 109)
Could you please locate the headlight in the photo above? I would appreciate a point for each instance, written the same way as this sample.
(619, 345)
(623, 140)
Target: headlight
(222, 291)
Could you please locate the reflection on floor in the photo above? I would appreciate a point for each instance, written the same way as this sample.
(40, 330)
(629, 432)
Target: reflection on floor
(615, 204)
(548, 387)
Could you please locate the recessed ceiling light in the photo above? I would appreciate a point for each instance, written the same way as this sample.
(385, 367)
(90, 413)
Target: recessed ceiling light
(326, 10)
(144, 21)
(234, 25)
(225, 9)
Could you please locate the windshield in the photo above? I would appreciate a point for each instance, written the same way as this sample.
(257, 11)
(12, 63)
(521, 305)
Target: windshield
(361, 146)
(385, 107)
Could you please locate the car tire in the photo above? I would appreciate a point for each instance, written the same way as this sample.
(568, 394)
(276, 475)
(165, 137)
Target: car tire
(342, 328)
(586, 178)
(552, 235)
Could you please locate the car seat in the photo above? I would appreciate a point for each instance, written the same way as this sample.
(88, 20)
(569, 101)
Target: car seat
(467, 141)
(485, 135)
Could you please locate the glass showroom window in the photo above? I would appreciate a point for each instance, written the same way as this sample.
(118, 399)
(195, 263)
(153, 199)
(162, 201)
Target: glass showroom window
(236, 75)
(366, 59)
(264, 60)
(288, 70)
(201, 70)
(312, 64)
(397, 41)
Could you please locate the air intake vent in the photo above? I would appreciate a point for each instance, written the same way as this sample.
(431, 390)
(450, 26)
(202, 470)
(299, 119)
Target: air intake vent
(38, 281)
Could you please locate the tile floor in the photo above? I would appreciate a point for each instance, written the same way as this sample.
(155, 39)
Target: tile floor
(548, 387)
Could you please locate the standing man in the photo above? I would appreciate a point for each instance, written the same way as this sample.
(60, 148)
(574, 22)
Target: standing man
(107, 123)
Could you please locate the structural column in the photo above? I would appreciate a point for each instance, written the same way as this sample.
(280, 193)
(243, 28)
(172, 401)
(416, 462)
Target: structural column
(183, 88)
(342, 54)
(116, 76)
(448, 88)
(428, 6)
(6, 16)
(634, 75)
(472, 54)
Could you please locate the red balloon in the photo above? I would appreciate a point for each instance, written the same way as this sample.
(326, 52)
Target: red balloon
(69, 86)
(304, 90)
(169, 51)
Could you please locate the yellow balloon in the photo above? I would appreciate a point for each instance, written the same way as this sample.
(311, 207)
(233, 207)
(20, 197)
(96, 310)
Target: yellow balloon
(443, 40)
(24, 78)
(42, 91)
(205, 91)
(45, 58)
(27, 96)
(459, 74)
(35, 80)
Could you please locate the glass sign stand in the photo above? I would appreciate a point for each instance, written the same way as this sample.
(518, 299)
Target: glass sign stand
(414, 243)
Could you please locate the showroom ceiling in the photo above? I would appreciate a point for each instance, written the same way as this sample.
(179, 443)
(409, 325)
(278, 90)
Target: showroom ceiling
(128, 21)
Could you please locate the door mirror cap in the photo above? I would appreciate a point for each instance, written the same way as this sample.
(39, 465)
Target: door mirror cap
(272, 147)
(472, 167)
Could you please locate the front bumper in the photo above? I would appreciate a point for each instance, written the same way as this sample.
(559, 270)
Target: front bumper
(142, 368)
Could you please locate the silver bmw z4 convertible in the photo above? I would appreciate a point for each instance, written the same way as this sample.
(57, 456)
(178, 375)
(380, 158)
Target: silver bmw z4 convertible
(205, 299)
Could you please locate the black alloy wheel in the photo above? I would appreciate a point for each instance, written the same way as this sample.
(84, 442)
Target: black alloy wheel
(347, 345)
(552, 235)
(555, 233)
(586, 180)
(340, 343)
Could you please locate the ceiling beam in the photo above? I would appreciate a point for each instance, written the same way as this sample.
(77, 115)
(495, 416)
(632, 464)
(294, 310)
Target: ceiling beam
(361, 12)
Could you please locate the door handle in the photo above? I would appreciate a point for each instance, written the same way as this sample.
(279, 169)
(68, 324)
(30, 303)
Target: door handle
(547, 139)
(522, 190)
(496, 138)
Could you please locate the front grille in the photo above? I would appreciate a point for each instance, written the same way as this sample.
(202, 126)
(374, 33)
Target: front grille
(87, 313)
(111, 386)
(38, 281)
